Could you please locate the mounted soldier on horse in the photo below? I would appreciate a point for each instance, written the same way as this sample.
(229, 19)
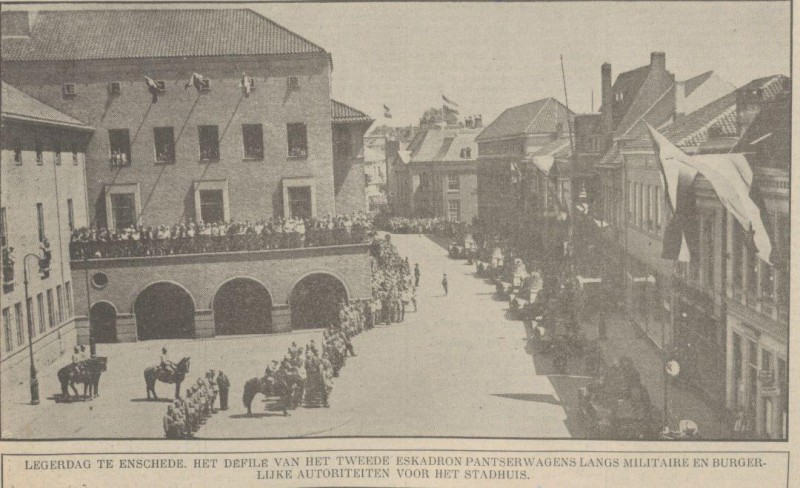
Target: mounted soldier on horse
(166, 373)
(82, 371)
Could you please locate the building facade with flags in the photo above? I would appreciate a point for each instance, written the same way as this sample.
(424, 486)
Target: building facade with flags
(42, 199)
(201, 129)
(436, 175)
(199, 115)
(686, 306)
(505, 148)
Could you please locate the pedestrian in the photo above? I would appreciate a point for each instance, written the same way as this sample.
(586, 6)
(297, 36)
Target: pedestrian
(601, 326)
(224, 386)
(416, 275)
(444, 283)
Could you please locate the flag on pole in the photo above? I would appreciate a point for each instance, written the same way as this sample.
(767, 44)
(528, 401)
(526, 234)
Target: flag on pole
(449, 102)
(152, 87)
(387, 112)
(732, 179)
(247, 84)
(196, 80)
(447, 111)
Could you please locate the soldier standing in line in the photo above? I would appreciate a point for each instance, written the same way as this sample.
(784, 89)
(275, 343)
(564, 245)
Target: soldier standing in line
(444, 283)
(224, 386)
(416, 275)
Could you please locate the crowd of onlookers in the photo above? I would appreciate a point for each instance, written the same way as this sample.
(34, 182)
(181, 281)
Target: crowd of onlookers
(201, 237)
(415, 225)
(186, 415)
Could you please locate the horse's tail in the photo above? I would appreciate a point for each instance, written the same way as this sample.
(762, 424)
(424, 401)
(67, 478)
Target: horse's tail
(250, 391)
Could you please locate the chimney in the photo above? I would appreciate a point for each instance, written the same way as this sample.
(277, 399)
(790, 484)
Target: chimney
(478, 121)
(658, 60)
(607, 99)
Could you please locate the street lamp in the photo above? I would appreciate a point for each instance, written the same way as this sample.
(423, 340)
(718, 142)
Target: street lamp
(34, 381)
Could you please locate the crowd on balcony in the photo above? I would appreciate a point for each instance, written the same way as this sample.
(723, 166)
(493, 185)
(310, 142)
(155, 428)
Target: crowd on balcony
(199, 237)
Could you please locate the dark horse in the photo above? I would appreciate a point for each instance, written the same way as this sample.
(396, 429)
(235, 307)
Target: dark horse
(154, 373)
(285, 388)
(89, 376)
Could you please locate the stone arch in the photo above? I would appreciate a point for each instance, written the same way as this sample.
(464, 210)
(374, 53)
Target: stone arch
(242, 305)
(103, 322)
(164, 310)
(314, 300)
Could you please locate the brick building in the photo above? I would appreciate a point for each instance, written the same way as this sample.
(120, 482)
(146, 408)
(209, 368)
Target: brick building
(436, 175)
(214, 149)
(42, 197)
(505, 149)
(212, 115)
(687, 308)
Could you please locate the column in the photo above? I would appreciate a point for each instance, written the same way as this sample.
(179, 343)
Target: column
(204, 324)
(730, 384)
(281, 318)
(729, 252)
(126, 327)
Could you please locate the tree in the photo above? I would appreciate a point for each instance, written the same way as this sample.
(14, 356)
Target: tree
(434, 116)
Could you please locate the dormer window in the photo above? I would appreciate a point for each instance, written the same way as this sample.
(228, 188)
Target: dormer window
(114, 88)
(68, 90)
(293, 83)
(161, 86)
(466, 153)
(204, 85)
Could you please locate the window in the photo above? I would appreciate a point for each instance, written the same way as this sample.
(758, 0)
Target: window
(123, 210)
(657, 208)
(752, 364)
(648, 219)
(737, 368)
(70, 215)
(37, 147)
(738, 256)
(296, 135)
(68, 90)
(68, 298)
(253, 140)
(453, 182)
(3, 229)
(707, 238)
(57, 153)
(164, 138)
(209, 142)
(212, 206)
(74, 154)
(204, 84)
(40, 309)
(299, 200)
(7, 329)
(466, 153)
(293, 83)
(29, 311)
(40, 220)
(120, 142)
(17, 151)
(60, 299)
(51, 312)
(454, 210)
(20, 319)
(752, 271)
(114, 88)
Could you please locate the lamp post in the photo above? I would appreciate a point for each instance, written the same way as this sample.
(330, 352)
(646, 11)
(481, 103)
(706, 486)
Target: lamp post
(92, 346)
(34, 381)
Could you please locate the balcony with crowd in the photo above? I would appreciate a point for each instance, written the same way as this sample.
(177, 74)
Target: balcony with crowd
(233, 236)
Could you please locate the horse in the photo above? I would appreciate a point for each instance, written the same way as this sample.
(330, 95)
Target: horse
(283, 388)
(154, 373)
(89, 376)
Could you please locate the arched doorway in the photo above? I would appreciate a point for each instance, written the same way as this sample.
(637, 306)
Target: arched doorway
(242, 306)
(314, 302)
(103, 323)
(164, 311)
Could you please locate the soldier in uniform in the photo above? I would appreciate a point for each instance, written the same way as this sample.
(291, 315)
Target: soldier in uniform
(444, 283)
(224, 386)
(76, 361)
(293, 349)
(165, 363)
(170, 429)
(326, 374)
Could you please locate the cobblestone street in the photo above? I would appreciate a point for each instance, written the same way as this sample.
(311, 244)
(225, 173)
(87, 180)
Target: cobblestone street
(457, 367)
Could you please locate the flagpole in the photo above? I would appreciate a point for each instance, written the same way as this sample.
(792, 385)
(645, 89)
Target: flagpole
(572, 165)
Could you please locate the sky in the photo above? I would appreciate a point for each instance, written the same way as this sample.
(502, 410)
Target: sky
(491, 56)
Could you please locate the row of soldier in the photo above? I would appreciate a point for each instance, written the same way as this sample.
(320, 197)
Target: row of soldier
(185, 416)
(200, 237)
(423, 225)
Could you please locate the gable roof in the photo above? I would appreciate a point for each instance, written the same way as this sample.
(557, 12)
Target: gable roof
(692, 129)
(443, 144)
(341, 113)
(539, 117)
(19, 106)
(654, 101)
(139, 33)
